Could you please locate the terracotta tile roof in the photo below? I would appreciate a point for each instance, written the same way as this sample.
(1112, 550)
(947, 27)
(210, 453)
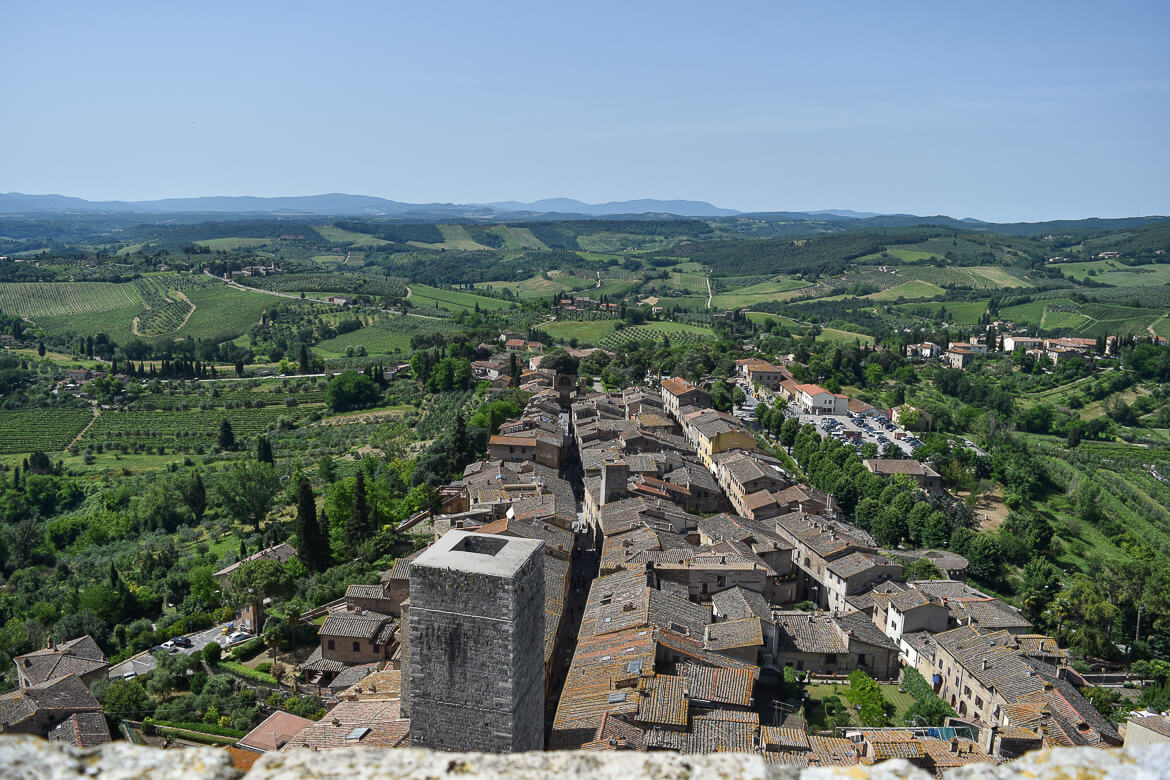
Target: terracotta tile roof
(859, 562)
(663, 702)
(735, 603)
(831, 751)
(734, 634)
(944, 754)
(721, 686)
(354, 724)
(274, 731)
(356, 625)
(677, 386)
(1159, 724)
(79, 656)
(784, 738)
(386, 684)
(859, 626)
(58, 696)
(83, 730)
(808, 633)
(716, 735)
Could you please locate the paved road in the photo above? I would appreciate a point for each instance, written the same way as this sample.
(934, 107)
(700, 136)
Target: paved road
(144, 662)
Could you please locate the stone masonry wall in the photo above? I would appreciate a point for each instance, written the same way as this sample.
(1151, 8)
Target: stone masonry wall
(30, 758)
(476, 658)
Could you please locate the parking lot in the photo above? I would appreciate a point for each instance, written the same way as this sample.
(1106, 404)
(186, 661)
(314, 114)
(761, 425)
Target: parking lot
(861, 431)
(144, 662)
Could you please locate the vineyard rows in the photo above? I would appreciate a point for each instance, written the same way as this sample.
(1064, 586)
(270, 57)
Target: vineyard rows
(51, 299)
(183, 429)
(168, 309)
(44, 430)
(642, 333)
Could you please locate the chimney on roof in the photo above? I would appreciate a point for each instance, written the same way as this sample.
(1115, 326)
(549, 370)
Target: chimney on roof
(336, 722)
(985, 664)
(954, 744)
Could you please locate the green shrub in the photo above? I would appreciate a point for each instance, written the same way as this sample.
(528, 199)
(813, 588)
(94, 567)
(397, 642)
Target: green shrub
(247, 650)
(222, 731)
(264, 667)
(247, 673)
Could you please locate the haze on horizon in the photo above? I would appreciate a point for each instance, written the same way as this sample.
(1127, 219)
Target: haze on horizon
(1001, 111)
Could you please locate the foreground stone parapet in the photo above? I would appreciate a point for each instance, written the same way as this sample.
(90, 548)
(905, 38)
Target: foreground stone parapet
(29, 758)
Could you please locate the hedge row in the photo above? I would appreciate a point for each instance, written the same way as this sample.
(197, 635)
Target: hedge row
(222, 731)
(248, 673)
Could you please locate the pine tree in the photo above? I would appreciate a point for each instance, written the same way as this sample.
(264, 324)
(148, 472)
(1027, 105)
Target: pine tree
(227, 438)
(360, 525)
(305, 363)
(313, 549)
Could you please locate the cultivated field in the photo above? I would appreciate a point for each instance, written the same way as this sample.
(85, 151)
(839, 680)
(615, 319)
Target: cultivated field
(384, 337)
(51, 299)
(677, 332)
(453, 300)
(586, 332)
(43, 430)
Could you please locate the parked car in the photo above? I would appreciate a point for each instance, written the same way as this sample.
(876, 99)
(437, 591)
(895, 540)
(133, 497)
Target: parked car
(235, 638)
(183, 641)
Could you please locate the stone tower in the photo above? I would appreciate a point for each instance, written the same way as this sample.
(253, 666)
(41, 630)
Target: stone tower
(615, 476)
(476, 662)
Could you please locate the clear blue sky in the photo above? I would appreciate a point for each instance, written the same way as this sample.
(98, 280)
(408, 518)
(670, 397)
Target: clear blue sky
(996, 110)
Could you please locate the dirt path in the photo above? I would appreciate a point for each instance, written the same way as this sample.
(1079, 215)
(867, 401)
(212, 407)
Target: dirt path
(239, 286)
(96, 414)
(707, 279)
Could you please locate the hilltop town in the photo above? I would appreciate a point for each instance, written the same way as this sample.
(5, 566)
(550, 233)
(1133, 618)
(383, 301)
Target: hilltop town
(297, 503)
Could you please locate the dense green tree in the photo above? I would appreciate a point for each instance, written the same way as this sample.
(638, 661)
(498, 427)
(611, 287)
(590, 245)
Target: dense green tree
(351, 390)
(246, 490)
(921, 569)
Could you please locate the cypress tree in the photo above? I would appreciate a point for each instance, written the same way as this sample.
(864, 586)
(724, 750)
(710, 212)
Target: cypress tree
(264, 451)
(227, 438)
(313, 550)
(359, 528)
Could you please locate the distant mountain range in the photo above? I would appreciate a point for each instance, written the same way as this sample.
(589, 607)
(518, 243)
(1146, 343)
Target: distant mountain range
(338, 204)
(341, 205)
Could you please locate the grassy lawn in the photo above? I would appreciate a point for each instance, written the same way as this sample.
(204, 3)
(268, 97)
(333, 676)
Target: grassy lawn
(586, 331)
(843, 336)
(896, 253)
(899, 702)
(539, 287)
(763, 292)
(331, 233)
(1000, 277)
(456, 237)
(958, 312)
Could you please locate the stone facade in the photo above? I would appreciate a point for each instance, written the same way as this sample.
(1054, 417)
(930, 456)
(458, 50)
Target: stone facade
(476, 644)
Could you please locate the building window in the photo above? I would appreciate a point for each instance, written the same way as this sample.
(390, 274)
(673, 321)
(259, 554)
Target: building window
(357, 647)
(330, 644)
